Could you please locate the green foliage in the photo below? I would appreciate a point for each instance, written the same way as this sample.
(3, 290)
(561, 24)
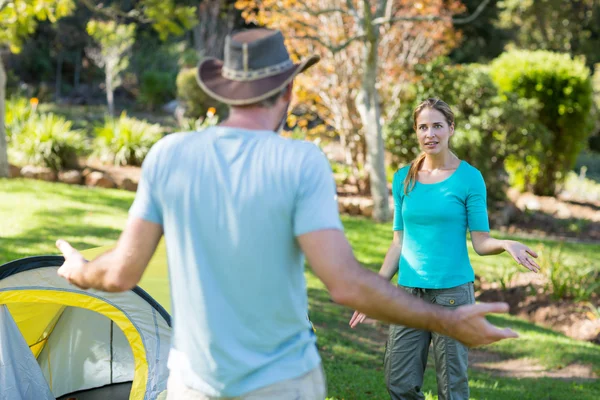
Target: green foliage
(125, 141)
(566, 279)
(594, 141)
(46, 140)
(114, 40)
(481, 39)
(19, 18)
(193, 98)
(489, 128)
(156, 88)
(168, 18)
(565, 26)
(189, 124)
(562, 87)
(18, 112)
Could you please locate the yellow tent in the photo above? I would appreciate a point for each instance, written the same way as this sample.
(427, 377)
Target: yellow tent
(57, 341)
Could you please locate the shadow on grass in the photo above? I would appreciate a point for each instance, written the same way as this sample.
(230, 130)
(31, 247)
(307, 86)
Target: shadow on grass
(65, 223)
(87, 196)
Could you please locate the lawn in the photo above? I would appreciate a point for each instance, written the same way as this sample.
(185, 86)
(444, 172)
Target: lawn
(34, 214)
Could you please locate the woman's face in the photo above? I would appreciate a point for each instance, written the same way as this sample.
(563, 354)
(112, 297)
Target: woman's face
(433, 131)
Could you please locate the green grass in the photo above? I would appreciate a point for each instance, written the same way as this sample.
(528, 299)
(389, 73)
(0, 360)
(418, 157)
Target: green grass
(34, 214)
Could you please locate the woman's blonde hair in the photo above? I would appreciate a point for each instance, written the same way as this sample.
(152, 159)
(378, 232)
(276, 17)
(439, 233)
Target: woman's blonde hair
(435, 104)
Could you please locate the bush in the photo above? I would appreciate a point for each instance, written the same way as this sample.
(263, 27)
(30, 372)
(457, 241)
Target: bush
(489, 128)
(594, 141)
(193, 98)
(567, 279)
(125, 141)
(190, 124)
(563, 88)
(18, 111)
(156, 88)
(47, 140)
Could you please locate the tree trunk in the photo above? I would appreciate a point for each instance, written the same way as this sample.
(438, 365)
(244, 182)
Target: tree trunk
(368, 106)
(59, 64)
(109, 91)
(4, 171)
(77, 74)
(216, 21)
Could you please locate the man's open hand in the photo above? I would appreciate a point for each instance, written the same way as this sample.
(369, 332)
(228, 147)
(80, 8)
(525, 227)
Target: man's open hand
(468, 324)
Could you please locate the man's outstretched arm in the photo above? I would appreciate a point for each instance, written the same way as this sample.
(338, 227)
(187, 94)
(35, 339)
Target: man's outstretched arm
(119, 269)
(331, 258)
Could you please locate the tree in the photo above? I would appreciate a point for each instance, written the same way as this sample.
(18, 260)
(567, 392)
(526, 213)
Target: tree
(217, 18)
(115, 41)
(482, 40)
(367, 46)
(20, 18)
(564, 26)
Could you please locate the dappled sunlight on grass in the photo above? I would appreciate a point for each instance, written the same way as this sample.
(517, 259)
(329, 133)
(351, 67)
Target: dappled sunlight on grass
(35, 214)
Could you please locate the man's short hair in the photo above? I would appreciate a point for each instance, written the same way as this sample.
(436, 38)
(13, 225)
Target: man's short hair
(269, 101)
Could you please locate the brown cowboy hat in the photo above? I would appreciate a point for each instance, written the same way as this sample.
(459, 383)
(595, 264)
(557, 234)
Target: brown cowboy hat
(257, 65)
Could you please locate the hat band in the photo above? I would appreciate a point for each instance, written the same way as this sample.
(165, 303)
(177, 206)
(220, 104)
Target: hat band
(245, 76)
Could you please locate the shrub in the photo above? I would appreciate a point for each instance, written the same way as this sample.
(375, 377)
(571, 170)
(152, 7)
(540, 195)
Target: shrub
(567, 279)
(47, 140)
(489, 128)
(190, 124)
(563, 89)
(125, 141)
(594, 141)
(156, 88)
(193, 98)
(18, 111)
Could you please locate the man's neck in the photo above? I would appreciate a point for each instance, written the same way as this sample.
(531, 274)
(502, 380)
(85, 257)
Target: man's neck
(251, 118)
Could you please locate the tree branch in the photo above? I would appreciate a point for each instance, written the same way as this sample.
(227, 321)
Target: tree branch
(472, 17)
(112, 12)
(317, 13)
(430, 18)
(382, 21)
(330, 46)
(3, 4)
(352, 11)
(384, 9)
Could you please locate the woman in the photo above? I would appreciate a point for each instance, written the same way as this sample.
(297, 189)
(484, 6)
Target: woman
(437, 197)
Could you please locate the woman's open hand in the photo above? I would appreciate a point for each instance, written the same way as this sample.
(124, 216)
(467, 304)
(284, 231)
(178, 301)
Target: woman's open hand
(522, 254)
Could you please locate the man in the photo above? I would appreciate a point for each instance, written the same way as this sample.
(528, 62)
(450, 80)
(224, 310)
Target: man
(239, 206)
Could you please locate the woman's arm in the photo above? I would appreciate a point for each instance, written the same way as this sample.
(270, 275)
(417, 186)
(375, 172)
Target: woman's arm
(486, 245)
(392, 257)
(387, 271)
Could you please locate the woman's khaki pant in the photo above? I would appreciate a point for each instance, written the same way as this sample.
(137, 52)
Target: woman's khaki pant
(407, 350)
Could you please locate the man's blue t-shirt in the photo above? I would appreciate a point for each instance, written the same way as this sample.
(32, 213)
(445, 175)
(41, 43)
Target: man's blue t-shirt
(231, 203)
(434, 220)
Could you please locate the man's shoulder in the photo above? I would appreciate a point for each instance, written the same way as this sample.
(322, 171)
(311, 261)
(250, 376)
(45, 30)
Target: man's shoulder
(170, 140)
(297, 148)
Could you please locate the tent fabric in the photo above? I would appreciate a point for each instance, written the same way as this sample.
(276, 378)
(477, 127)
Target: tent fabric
(85, 353)
(59, 322)
(20, 376)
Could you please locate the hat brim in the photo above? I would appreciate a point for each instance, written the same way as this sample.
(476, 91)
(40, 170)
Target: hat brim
(239, 93)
